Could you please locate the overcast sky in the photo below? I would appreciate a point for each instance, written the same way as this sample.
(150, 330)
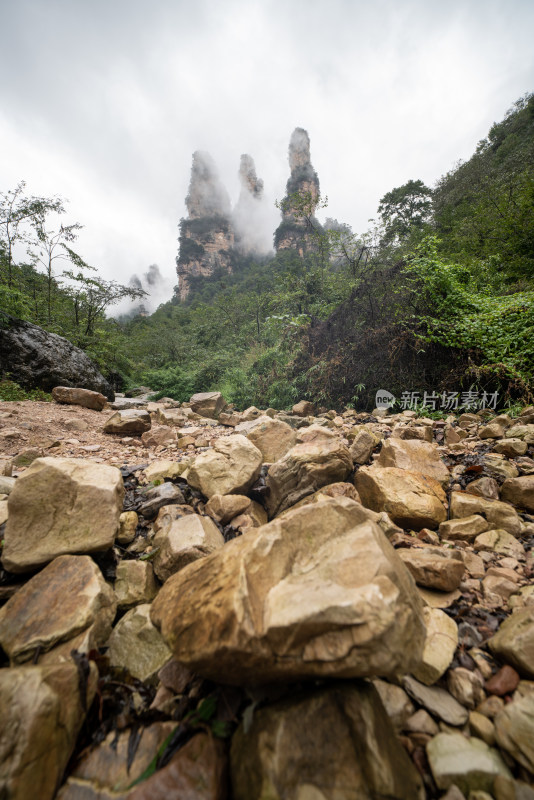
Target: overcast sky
(104, 101)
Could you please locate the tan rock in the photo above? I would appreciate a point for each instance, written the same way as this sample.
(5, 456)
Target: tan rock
(511, 447)
(128, 522)
(363, 445)
(499, 541)
(499, 586)
(187, 539)
(167, 516)
(272, 437)
(496, 427)
(4, 513)
(319, 592)
(61, 505)
(410, 499)
(524, 432)
(497, 513)
(197, 771)
(416, 456)
(514, 641)
(173, 417)
(474, 565)
(466, 420)
(161, 435)
(137, 646)
(230, 467)
(334, 743)
(421, 722)
(134, 583)
(76, 425)
(434, 568)
(79, 397)
(6, 467)
(128, 422)
(303, 409)
(316, 462)
(465, 529)
(398, 705)
(223, 508)
(164, 468)
(468, 763)
(466, 686)
(208, 404)
(482, 727)
(514, 730)
(340, 489)
(421, 433)
(67, 597)
(519, 491)
(484, 487)
(107, 766)
(42, 713)
(499, 466)
(440, 645)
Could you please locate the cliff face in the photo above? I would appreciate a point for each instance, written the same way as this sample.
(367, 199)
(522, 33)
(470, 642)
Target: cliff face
(214, 236)
(293, 232)
(207, 235)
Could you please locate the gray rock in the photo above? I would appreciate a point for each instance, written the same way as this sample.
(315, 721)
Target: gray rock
(36, 358)
(165, 494)
(437, 701)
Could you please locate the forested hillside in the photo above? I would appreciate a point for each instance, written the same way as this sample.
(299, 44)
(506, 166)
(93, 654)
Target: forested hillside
(438, 295)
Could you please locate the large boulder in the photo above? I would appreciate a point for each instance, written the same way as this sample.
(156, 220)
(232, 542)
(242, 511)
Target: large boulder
(131, 420)
(498, 514)
(67, 598)
(231, 466)
(514, 730)
(411, 499)
(58, 506)
(415, 456)
(271, 436)
(36, 358)
(468, 763)
(320, 459)
(320, 592)
(434, 568)
(519, 491)
(334, 743)
(108, 766)
(43, 709)
(79, 397)
(187, 539)
(514, 641)
(208, 404)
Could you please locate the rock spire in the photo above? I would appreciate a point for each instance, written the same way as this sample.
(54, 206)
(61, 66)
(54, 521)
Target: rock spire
(206, 236)
(293, 232)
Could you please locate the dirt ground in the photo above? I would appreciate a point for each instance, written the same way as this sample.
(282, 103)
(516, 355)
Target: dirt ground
(53, 430)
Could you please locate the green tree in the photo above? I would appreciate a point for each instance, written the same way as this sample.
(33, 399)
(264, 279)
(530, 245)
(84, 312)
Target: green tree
(17, 213)
(404, 208)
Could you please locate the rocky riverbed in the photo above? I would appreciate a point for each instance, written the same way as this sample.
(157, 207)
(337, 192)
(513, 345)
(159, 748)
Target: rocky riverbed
(202, 604)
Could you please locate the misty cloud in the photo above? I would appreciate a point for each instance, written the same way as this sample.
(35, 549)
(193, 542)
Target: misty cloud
(251, 216)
